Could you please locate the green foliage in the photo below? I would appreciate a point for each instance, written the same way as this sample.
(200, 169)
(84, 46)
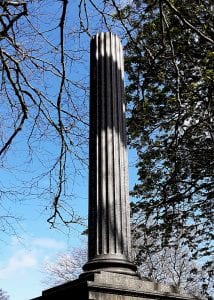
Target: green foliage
(169, 61)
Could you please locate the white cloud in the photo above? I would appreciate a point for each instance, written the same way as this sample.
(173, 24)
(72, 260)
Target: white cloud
(20, 261)
(48, 243)
(27, 255)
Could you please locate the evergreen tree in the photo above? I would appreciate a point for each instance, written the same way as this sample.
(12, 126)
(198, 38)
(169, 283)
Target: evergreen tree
(169, 61)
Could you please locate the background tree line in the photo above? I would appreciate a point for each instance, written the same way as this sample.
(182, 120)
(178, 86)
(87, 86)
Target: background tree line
(169, 93)
(3, 295)
(170, 124)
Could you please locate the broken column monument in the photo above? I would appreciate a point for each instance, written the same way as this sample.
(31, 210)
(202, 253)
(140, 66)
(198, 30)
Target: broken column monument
(109, 273)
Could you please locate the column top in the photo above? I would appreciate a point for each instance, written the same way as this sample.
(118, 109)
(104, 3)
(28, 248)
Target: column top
(109, 45)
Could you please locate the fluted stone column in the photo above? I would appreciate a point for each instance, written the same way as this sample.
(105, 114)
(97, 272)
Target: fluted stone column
(109, 232)
(109, 216)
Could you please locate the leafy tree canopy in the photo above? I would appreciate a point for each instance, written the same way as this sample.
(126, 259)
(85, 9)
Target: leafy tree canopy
(169, 61)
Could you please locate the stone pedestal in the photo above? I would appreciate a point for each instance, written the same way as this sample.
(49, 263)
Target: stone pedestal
(112, 286)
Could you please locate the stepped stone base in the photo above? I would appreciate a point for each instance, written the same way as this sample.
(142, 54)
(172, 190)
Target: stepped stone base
(112, 286)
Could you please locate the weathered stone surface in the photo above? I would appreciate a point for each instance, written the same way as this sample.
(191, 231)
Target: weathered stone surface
(112, 286)
(109, 216)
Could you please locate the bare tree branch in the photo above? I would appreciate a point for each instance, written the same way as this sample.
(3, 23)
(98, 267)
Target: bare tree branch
(22, 104)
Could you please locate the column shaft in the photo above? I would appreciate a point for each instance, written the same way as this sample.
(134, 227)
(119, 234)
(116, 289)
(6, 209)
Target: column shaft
(109, 217)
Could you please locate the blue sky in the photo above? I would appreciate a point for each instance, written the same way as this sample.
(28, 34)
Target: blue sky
(20, 273)
(22, 256)
(30, 242)
(24, 252)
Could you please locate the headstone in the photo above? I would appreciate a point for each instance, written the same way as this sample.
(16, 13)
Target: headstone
(109, 274)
